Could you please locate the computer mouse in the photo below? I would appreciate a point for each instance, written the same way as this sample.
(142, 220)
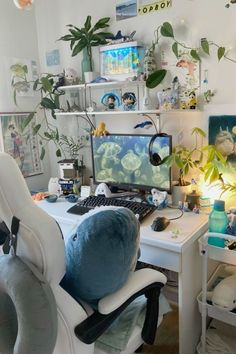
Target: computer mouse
(160, 223)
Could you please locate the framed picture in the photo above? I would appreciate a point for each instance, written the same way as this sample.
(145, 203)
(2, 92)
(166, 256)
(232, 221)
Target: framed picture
(20, 143)
(222, 134)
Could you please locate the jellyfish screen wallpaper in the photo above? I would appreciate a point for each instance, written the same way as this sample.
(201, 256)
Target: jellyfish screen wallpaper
(123, 161)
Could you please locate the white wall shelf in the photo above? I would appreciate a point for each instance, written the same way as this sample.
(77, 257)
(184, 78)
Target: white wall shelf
(125, 83)
(155, 112)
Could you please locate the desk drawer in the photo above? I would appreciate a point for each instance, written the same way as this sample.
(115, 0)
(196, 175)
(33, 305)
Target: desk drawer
(161, 257)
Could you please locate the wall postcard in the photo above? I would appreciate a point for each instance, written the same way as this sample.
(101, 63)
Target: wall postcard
(126, 9)
(145, 8)
(53, 57)
(20, 143)
(19, 69)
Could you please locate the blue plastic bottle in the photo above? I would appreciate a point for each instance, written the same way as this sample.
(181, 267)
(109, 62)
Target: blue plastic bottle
(218, 222)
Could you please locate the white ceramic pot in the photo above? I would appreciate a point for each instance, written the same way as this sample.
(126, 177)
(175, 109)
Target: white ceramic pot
(179, 193)
(89, 76)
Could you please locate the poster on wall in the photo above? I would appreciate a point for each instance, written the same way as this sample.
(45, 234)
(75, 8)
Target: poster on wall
(126, 9)
(20, 143)
(53, 57)
(222, 134)
(20, 74)
(147, 7)
(187, 70)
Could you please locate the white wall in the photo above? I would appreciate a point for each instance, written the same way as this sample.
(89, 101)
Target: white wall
(203, 19)
(18, 39)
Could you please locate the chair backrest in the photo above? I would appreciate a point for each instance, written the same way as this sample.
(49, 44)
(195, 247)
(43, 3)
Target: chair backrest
(39, 238)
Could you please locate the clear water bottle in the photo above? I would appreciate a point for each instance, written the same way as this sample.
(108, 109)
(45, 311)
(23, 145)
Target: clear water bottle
(218, 222)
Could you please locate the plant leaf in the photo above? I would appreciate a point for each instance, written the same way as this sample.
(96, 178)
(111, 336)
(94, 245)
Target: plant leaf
(199, 131)
(167, 30)
(175, 49)
(42, 153)
(47, 85)
(194, 54)
(47, 103)
(36, 129)
(67, 37)
(58, 153)
(87, 24)
(220, 52)
(205, 46)
(155, 78)
(102, 23)
(79, 46)
(179, 162)
(27, 120)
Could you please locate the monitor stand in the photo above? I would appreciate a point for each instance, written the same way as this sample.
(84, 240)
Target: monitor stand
(103, 189)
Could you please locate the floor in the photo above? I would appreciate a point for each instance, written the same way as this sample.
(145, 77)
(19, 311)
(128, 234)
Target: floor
(167, 337)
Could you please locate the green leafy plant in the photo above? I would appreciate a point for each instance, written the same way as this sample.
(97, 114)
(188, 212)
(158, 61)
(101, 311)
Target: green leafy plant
(87, 37)
(47, 85)
(197, 53)
(206, 158)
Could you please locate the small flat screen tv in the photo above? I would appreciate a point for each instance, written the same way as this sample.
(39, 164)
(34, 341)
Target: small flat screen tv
(122, 161)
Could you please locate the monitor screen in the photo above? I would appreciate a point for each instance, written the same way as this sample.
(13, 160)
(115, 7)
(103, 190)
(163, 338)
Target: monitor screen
(122, 160)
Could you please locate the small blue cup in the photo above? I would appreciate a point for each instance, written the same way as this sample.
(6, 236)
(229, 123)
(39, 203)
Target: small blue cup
(51, 198)
(72, 198)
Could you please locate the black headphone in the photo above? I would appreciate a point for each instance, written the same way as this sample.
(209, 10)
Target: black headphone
(154, 157)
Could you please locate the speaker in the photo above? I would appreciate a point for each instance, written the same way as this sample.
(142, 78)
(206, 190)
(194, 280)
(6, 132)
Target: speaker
(154, 157)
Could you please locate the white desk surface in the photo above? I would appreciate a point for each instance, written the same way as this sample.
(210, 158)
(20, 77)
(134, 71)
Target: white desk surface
(190, 226)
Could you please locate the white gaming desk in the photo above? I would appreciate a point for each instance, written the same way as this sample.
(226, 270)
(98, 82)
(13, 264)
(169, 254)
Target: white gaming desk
(165, 249)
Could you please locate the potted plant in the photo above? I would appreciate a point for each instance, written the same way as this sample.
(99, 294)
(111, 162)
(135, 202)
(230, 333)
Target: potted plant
(83, 39)
(49, 88)
(206, 159)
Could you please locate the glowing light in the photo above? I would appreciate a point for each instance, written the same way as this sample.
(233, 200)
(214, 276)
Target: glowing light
(212, 191)
(23, 4)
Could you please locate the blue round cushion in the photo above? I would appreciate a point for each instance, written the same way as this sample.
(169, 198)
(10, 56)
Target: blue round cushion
(101, 254)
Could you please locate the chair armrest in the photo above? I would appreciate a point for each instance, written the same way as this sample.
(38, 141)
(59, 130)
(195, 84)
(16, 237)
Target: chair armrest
(93, 327)
(136, 281)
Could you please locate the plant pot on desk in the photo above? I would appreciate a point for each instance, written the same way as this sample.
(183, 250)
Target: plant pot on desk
(179, 193)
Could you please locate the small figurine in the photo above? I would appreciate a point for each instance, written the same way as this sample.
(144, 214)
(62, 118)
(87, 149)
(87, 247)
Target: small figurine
(60, 82)
(129, 101)
(71, 77)
(120, 38)
(174, 93)
(110, 100)
(192, 102)
(100, 130)
(208, 95)
(146, 124)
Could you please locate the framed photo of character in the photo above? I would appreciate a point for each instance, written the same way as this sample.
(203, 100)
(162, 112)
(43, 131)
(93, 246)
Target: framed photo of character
(222, 134)
(20, 143)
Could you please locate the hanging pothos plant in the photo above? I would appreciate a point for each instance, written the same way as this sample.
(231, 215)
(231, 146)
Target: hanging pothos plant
(166, 30)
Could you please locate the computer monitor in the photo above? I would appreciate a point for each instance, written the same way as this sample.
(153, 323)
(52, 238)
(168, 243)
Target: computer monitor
(122, 160)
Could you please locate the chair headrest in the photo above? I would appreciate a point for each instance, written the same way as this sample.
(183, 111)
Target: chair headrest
(39, 238)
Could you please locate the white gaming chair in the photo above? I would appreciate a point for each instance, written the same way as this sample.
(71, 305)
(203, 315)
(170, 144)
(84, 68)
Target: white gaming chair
(39, 242)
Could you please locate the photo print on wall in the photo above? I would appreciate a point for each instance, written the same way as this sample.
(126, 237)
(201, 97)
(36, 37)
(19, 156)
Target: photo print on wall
(20, 143)
(18, 71)
(125, 9)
